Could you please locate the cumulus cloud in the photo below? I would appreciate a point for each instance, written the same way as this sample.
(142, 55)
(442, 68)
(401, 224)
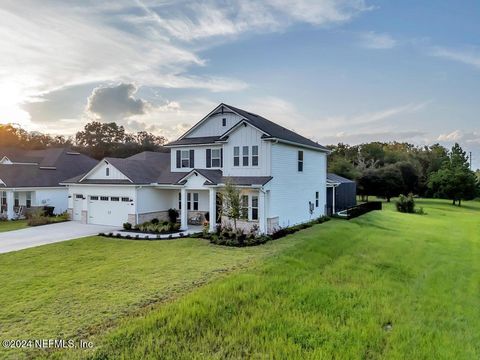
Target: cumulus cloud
(373, 40)
(116, 102)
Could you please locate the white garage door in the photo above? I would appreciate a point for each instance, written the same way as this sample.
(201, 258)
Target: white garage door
(108, 210)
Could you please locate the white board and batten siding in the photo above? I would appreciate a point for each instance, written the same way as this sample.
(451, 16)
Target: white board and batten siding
(291, 190)
(247, 136)
(100, 173)
(200, 157)
(213, 126)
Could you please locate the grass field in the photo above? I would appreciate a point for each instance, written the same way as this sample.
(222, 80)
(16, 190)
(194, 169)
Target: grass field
(385, 285)
(79, 288)
(12, 225)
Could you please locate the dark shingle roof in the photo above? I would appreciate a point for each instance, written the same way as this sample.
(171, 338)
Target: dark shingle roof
(195, 140)
(338, 179)
(61, 163)
(274, 130)
(154, 168)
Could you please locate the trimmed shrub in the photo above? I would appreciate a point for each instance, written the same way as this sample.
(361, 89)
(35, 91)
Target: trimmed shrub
(127, 226)
(405, 204)
(172, 215)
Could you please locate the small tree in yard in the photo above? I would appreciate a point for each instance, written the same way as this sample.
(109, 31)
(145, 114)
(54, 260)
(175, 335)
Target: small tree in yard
(232, 204)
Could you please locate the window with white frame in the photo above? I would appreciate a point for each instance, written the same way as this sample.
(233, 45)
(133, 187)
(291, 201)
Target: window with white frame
(236, 156)
(300, 160)
(16, 199)
(244, 207)
(245, 155)
(195, 201)
(254, 207)
(185, 158)
(28, 201)
(224, 122)
(107, 171)
(3, 200)
(255, 155)
(179, 201)
(192, 201)
(216, 158)
(317, 195)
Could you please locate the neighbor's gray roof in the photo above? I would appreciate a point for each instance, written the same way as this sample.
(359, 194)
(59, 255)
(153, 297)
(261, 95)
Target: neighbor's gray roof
(338, 179)
(61, 163)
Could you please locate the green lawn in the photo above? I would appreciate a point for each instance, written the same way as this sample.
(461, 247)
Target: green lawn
(12, 225)
(385, 285)
(79, 288)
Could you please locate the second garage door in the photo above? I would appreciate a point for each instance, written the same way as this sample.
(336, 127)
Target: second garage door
(108, 210)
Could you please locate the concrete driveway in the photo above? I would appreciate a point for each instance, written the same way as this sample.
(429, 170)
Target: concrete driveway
(48, 234)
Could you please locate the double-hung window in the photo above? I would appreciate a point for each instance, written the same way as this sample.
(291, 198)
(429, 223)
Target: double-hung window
(16, 199)
(254, 207)
(316, 198)
(216, 158)
(255, 155)
(185, 159)
(300, 160)
(245, 155)
(236, 156)
(179, 201)
(192, 201)
(244, 207)
(29, 199)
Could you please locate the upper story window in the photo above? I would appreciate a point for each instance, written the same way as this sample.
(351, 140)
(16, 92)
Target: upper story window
(255, 155)
(317, 194)
(245, 156)
(216, 158)
(236, 156)
(224, 122)
(107, 171)
(185, 159)
(300, 161)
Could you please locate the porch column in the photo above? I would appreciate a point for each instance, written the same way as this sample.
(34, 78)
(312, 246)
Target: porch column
(261, 212)
(183, 210)
(10, 202)
(333, 200)
(212, 209)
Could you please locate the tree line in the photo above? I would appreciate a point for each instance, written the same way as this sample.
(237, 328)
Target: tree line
(387, 170)
(97, 140)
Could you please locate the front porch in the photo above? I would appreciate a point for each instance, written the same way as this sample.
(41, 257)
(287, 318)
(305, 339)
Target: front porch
(14, 204)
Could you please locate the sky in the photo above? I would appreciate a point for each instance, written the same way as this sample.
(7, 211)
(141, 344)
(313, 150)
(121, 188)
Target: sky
(335, 71)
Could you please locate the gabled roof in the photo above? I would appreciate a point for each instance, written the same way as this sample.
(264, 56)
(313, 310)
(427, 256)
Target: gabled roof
(270, 129)
(142, 168)
(52, 166)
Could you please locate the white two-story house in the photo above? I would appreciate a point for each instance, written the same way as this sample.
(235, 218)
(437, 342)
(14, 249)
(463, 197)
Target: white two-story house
(281, 174)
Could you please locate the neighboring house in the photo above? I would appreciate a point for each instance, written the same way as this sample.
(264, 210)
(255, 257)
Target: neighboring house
(341, 193)
(282, 176)
(31, 178)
